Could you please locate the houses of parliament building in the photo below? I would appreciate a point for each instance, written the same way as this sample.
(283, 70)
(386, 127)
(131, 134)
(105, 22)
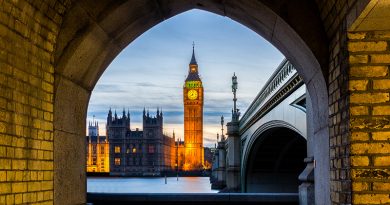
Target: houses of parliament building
(127, 152)
(149, 152)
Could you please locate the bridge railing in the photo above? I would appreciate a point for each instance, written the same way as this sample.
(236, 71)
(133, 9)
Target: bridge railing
(284, 75)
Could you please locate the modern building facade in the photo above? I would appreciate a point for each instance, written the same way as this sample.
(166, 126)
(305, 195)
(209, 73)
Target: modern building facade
(98, 152)
(193, 118)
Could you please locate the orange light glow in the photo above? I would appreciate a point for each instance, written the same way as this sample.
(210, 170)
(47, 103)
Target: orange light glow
(193, 121)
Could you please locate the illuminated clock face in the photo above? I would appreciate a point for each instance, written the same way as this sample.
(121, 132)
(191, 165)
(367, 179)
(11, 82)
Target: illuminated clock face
(192, 94)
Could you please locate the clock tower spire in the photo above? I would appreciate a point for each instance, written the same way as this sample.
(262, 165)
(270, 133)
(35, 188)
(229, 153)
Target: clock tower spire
(193, 74)
(193, 59)
(193, 117)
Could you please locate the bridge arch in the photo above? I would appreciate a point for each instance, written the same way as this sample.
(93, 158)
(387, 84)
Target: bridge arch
(93, 34)
(264, 154)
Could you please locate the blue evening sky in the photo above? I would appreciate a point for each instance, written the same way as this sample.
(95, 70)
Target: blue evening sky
(151, 71)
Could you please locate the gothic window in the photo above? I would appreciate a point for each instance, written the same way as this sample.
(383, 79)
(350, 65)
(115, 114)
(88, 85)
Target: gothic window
(134, 150)
(151, 148)
(117, 149)
(102, 149)
(94, 149)
(117, 161)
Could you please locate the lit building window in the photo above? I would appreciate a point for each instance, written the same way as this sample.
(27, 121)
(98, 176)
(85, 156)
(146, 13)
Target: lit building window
(134, 150)
(117, 149)
(117, 161)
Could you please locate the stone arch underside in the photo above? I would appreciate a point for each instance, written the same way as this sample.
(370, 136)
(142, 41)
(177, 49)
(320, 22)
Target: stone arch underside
(93, 34)
(274, 161)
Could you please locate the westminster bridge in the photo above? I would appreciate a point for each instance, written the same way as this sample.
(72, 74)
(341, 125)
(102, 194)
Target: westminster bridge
(52, 53)
(273, 134)
(267, 152)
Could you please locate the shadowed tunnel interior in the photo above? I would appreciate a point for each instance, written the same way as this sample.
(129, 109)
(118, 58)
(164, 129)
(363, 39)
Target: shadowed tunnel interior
(275, 161)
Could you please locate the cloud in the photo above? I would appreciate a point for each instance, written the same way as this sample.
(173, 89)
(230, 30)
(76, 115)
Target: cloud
(144, 84)
(104, 88)
(209, 142)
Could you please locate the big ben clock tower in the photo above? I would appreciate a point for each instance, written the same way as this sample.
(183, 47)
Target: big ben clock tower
(193, 117)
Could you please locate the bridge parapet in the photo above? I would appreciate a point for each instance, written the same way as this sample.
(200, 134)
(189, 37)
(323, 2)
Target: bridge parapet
(282, 82)
(274, 125)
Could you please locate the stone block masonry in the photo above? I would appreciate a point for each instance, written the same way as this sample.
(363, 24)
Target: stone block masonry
(369, 88)
(27, 41)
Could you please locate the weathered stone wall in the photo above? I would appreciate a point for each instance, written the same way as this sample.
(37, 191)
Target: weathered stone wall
(28, 31)
(369, 86)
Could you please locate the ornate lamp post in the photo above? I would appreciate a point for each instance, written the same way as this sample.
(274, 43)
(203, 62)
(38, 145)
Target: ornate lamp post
(235, 113)
(234, 89)
(233, 144)
(222, 135)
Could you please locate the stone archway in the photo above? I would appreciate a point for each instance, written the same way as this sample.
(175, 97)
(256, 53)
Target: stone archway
(52, 53)
(93, 34)
(274, 161)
